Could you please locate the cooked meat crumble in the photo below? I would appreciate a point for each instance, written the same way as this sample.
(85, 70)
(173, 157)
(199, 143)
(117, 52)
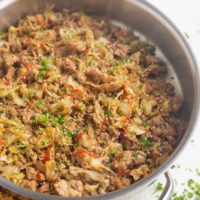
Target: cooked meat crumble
(84, 105)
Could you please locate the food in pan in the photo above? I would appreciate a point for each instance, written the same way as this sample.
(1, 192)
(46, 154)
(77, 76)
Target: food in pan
(84, 105)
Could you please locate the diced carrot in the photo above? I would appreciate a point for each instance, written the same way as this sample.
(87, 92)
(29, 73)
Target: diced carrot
(42, 45)
(47, 155)
(118, 156)
(38, 176)
(70, 86)
(80, 135)
(83, 153)
(2, 142)
(77, 105)
(126, 121)
(7, 82)
(30, 65)
(41, 23)
(103, 125)
(73, 96)
(52, 141)
(77, 91)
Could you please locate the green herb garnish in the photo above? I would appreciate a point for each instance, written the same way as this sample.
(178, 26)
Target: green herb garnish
(21, 145)
(70, 37)
(67, 133)
(2, 34)
(135, 155)
(197, 171)
(186, 35)
(145, 142)
(90, 63)
(41, 119)
(31, 95)
(113, 154)
(136, 148)
(191, 184)
(45, 63)
(23, 151)
(41, 74)
(123, 159)
(57, 120)
(120, 62)
(159, 187)
(36, 103)
(42, 35)
(47, 142)
(145, 124)
(107, 111)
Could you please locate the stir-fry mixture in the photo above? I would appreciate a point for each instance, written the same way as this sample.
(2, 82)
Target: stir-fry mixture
(84, 105)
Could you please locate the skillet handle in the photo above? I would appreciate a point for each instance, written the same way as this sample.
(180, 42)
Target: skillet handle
(169, 188)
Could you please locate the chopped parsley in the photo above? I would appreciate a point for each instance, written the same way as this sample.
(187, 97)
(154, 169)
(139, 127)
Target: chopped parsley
(31, 95)
(145, 124)
(101, 44)
(197, 171)
(135, 155)
(23, 151)
(47, 118)
(126, 41)
(67, 133)
(90, 63)
(145, 142)
(47, 142)
(193, 191)
(120, 62)
(186, 35)
(41, 119)
(36, 103)
(191, 184)
(136, 148)
(42, 34)
(70, 37)
(21, 145)
(41, 74)
(57, 120)
(113, 153)
(123, 159)
(2, 34)
(45, 63)
(159, 187)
